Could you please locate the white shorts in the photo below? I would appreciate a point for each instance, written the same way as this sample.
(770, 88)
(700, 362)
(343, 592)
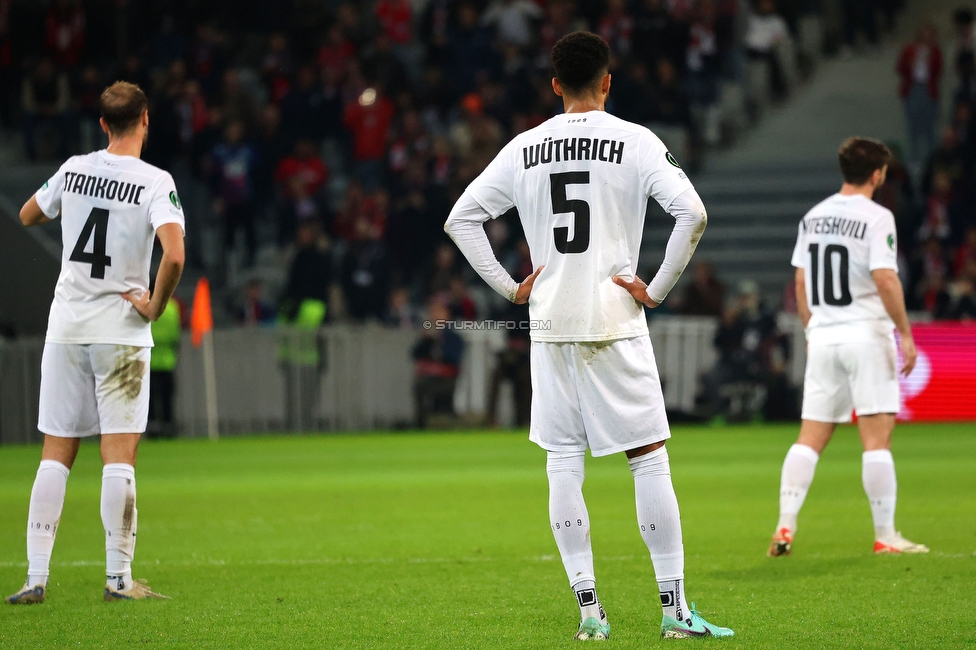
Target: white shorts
(605, 396)
(845, 377)
(90, 389)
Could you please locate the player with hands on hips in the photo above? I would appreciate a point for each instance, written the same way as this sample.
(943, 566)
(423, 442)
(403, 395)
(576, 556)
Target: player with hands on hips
(580, 182)
(95, 364)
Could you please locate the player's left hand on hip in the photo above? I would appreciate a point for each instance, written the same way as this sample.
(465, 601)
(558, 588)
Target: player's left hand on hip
(525, 287)
(140, 301)
(637, 288)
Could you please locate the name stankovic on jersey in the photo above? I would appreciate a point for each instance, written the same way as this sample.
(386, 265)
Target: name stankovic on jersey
(110, 207)
(103, 188)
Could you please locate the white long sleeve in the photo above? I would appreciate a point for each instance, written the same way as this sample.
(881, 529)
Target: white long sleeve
(465, 225)
(689, 224)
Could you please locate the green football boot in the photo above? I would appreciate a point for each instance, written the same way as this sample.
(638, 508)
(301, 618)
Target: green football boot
(592, 629)
(694, 626)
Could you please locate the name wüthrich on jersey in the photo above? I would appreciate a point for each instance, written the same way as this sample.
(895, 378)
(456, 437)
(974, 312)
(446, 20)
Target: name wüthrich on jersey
(564, 149)
(102, 188)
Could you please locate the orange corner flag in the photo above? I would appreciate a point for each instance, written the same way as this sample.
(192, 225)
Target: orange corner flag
(201, 318)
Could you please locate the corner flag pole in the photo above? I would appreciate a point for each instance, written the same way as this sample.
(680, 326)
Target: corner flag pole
(201, 326)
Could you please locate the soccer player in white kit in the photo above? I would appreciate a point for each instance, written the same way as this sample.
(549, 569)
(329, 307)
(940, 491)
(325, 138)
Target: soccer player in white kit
(95, 365)
(581, 182)
(850, 299)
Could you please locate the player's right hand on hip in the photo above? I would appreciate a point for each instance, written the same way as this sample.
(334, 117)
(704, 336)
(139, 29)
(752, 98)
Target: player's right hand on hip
(525, 287)
(140, 300)
(637, 288)
(909, 354)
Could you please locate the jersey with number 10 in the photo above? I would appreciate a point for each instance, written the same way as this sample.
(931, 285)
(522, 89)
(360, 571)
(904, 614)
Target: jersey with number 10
(840, 241)
(581, 182)
(110, 207)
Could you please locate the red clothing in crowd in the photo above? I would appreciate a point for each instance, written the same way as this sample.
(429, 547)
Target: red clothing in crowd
(310, 172)
(370, 126)
(935, 271)
(280, 85)
(363, 217)
(906, 68)
(6, 51)
(199, 114)
(395, 18)
(429, 368)
(965, 253)
(681, 10)
(464, 308)
(65, 35)
(440, 169)
(617, 29)
(333, 56)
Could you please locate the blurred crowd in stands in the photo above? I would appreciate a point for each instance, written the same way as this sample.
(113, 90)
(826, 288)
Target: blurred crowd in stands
(333, 137)
(337, 135)
(932, 187)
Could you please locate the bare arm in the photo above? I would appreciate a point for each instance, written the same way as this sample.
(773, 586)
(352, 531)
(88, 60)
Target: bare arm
(893, 298)
(31, 214)
(167, 277)
(800, 287)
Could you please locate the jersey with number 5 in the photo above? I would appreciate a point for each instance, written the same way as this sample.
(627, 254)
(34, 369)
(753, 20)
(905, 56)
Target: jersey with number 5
(840, 241)
(110, 207)
(581, 182)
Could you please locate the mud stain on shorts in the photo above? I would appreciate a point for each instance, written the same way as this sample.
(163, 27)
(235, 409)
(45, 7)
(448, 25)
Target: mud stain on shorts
(590, 350)
(128, 372)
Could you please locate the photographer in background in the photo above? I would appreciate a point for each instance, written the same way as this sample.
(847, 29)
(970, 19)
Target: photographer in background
(437, 361)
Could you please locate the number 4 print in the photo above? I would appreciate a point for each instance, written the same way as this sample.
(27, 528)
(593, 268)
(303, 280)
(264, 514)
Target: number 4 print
(98, 222)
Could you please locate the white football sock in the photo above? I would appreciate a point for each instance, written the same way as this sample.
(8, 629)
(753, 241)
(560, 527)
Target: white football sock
(571, 527)
(798, 469)
(660, 526)
(119, 517)
(878, 475)
(588, 601)
(46, 502)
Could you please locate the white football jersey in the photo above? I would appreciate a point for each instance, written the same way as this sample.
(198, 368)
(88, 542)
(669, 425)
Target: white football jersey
(110, 208)
(581, 182)
(840, 241)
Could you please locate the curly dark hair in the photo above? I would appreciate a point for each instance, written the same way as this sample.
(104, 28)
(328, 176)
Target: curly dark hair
(580, 60)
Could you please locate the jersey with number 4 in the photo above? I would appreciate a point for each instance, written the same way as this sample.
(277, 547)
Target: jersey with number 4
(581, 182)
(840, 241)
(110, 207)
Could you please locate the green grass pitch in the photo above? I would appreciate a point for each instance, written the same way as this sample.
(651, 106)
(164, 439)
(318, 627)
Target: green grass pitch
(443, 541)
